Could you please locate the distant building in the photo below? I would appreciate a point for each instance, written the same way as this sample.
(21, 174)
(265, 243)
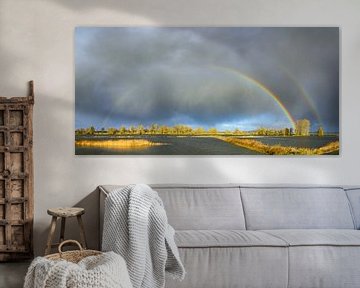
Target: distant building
(302, 127)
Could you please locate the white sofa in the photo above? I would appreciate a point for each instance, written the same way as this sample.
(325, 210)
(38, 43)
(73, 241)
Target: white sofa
(263, 236)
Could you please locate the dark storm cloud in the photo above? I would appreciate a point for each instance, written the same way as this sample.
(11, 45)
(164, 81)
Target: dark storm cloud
(187, 75)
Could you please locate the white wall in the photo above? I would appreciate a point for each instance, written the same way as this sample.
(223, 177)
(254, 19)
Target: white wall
(36, 42)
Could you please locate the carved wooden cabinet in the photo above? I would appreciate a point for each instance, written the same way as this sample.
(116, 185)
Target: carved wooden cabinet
(16, 177)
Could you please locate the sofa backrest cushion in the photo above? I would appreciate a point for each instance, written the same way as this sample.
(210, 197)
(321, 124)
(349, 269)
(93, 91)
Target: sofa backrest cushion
(203, 207)
(354, 198)
(296, 208)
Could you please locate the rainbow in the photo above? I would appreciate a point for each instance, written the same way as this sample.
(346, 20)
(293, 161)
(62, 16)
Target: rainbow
(305, 95)
(260, 85)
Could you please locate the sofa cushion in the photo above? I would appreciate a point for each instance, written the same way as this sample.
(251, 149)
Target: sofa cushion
(354, 198)
(220, 267)
(191, 208)
(315, 237)
(324, 266)
(322, 258)
(296, 208)
(226, 238)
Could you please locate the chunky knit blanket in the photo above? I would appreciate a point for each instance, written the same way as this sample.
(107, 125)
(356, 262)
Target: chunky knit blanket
(136, 227)
(103, 271)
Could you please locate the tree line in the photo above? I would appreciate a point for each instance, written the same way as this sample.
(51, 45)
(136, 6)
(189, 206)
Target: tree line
(302, 129)
(153, 129)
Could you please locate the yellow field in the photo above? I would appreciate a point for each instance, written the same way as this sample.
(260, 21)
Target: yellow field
(281, 150)
(117, 144)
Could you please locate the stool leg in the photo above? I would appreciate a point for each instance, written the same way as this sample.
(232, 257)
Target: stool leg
(82, 232)
(62, 231)
(51, 235)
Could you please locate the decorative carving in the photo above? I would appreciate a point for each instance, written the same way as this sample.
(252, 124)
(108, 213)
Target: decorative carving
(16, 177)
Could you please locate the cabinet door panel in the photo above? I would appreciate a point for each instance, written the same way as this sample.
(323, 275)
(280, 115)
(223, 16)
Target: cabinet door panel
(16, 183)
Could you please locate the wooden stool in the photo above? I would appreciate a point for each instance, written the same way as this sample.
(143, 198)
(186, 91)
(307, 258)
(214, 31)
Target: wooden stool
(64, 213)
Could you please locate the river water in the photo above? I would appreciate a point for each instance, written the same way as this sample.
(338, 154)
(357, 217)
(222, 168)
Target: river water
(188, 145)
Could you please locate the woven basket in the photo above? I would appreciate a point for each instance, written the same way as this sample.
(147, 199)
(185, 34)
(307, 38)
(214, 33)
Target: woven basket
(72, 256)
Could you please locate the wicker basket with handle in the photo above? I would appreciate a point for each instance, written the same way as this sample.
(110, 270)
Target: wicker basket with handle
(72, 256)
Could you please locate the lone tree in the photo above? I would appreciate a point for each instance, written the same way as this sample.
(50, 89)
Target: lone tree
(90, 130)
(320, 131)
(111, 131)
(302, 127)
(122, 129)
(212, 131)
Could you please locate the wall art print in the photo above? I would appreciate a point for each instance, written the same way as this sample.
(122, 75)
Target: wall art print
(207, 90)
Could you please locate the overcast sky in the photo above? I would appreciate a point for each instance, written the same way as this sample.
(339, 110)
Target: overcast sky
(211, 77)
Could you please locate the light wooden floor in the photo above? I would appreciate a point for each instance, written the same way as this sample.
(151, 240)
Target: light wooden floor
(12, 274)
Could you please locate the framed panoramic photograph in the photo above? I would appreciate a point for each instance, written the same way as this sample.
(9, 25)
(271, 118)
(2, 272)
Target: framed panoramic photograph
(207, 90)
